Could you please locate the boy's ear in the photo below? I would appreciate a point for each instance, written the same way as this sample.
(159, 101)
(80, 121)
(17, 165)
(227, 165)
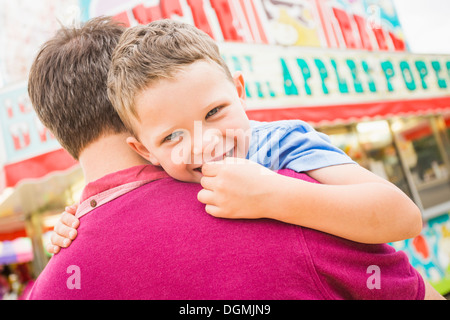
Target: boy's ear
(142, 150)
(239, 83)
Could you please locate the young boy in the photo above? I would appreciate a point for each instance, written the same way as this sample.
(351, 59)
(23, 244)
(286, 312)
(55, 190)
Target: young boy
(186, 112)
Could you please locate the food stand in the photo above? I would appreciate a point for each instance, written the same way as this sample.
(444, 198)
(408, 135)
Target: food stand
(38, 177)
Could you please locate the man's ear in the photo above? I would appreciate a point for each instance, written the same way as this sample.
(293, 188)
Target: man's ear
(239, 83)
(142, 150)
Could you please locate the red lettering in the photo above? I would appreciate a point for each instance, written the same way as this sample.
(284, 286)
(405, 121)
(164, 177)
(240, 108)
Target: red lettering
(362, 29)
(122, 17)
(9, 108)
(20, 136)
(16, 141)
(262, 33)
(226, 20)
(42, 132)
(381, 39)
(43, 136)
(22, 107)
(399, 45)
(153, 13)
(26, 138)
(140, 14)
(199, 15)
(251, 22)
(170, 7)
(144, 15)
(346, 28)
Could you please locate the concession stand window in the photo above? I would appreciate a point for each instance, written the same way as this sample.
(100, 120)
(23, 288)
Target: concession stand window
(371, 145)
(423, 143)
(411, 152)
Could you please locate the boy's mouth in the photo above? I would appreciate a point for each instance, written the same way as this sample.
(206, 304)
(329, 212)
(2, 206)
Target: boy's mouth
(199, 169)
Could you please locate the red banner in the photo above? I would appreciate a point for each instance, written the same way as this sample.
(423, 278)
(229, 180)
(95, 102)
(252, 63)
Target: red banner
(38, 167)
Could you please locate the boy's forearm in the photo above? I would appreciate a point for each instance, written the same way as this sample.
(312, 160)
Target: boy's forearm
(366, 212)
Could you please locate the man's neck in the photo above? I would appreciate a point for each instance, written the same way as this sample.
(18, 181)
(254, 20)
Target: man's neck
(107, 155)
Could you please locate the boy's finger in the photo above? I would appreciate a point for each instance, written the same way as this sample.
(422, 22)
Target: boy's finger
(206, 196)
(52, 248)
(211, 169)
(70, 220)
(234, 160)
(212, 210)
(60, 241)
(71, 209)
(207, 183)
(65, 231)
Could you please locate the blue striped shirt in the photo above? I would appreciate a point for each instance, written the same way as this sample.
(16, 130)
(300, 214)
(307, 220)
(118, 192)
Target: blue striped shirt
(293, 144)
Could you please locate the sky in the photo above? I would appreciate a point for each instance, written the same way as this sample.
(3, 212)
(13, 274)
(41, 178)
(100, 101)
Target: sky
(426, 24)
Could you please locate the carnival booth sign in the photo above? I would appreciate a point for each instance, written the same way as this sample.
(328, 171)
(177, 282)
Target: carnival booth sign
(323, 85)
(350, 24)
(28, 149)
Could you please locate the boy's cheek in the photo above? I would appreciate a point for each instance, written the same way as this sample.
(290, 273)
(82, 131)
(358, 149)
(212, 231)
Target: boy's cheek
(242, 146)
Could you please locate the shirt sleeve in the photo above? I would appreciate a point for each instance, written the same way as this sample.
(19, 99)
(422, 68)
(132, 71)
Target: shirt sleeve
(294, 145)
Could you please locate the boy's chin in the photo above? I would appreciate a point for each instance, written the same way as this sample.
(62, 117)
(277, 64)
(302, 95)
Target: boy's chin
(196, 178)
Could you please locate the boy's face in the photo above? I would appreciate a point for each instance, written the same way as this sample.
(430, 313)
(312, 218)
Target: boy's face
(197, 117)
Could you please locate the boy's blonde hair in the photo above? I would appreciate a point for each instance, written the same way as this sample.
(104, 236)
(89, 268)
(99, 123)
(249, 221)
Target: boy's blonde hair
(148, 53)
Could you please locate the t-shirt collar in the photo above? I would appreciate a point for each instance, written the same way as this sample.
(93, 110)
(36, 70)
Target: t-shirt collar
(116, 179)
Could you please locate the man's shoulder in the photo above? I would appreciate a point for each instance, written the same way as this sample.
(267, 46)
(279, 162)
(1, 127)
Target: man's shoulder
(352, 270)
(52, 283)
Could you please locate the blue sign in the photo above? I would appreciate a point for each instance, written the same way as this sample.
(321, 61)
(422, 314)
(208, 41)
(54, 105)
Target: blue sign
(22, 133)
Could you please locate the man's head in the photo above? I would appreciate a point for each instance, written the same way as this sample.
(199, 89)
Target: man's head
(173, 90)
(67, 84)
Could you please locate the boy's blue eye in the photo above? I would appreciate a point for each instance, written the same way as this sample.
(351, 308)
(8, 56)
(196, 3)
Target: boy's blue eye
(212, 112)
(173, 136)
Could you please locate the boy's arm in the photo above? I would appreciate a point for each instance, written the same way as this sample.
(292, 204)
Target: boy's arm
(65, 230)
(365, 207)
(431, 293)
(355, 204)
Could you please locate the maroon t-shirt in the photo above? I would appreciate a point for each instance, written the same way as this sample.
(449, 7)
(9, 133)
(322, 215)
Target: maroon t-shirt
(155, 241)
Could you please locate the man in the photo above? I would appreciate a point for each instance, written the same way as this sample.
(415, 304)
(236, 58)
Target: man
(143, 235)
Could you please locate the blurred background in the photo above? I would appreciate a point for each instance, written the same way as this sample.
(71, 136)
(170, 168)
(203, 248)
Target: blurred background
(372, 74)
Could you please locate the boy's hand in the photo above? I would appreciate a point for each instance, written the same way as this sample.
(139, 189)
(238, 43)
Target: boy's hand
(65, 230)
(236, 188)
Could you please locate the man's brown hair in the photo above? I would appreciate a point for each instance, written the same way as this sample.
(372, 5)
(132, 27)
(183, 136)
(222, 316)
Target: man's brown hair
(148, 53)
(67, 84)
